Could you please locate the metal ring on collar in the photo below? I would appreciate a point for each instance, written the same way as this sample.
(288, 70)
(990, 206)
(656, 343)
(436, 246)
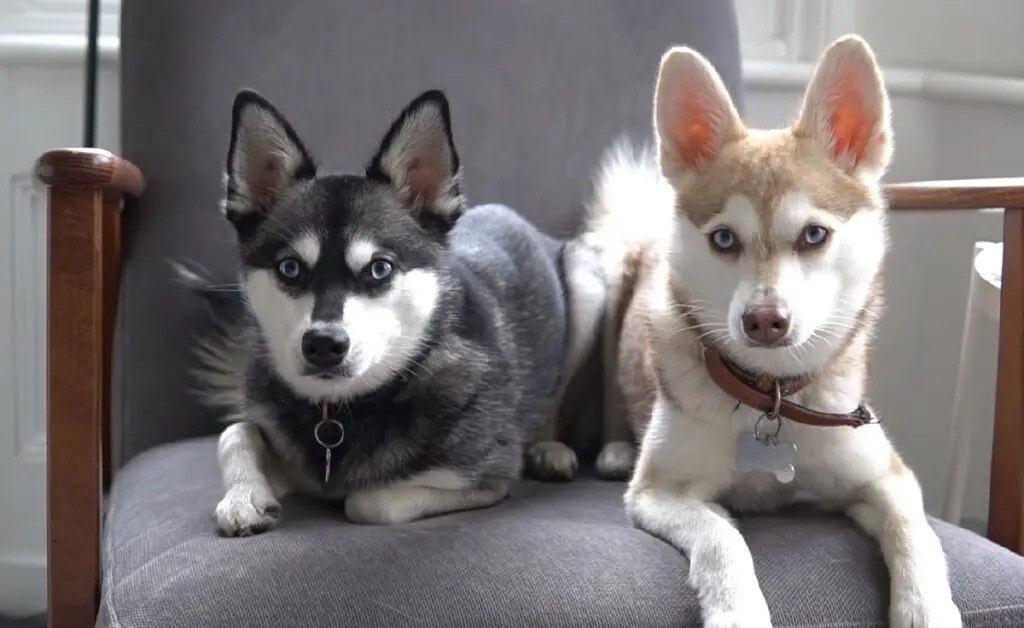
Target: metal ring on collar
(333, 423)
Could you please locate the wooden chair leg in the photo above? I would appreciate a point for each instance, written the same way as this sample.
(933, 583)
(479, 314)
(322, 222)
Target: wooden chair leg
(78, 369)
(1006, 491)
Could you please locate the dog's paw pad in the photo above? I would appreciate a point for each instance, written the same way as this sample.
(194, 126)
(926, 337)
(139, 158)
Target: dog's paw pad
(615, 462)
(245, 511)
(551, 460)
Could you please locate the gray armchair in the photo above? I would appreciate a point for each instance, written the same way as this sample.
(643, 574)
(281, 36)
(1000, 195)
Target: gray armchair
(538, 90)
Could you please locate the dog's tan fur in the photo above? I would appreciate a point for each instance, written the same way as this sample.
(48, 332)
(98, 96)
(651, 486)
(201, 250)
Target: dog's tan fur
(672, 292)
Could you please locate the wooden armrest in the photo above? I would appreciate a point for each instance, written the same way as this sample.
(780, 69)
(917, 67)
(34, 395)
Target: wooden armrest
(957, 194)
(89, 167)
(1006, 488)
(86, 189)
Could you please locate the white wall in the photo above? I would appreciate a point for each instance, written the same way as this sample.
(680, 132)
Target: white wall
(947, 125)
(949, 35)
(945, 35)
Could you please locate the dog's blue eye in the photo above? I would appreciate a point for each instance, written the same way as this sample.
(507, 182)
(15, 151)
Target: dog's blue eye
(381, 269)
(814, 235)
(289, 268)
(723, 239)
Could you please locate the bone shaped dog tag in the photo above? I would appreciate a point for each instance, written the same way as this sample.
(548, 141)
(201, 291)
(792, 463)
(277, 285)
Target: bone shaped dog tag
(774, 455)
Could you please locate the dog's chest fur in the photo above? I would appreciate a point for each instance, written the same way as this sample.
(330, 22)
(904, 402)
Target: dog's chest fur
(381, 430)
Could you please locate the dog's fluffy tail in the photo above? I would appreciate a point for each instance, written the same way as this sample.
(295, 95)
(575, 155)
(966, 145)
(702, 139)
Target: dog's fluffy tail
(628, 211)
(625, 215)
(219, 366)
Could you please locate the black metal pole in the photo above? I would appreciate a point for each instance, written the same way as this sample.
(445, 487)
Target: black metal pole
(91, 71)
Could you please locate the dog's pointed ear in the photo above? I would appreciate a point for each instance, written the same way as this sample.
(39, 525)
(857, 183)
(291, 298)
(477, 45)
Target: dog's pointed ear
(694, 116)
(846, 108)
(265, 157)
(418, 157)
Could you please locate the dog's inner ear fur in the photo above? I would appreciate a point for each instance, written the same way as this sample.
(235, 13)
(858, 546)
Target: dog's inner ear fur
(419, 158)
(694, 115)
(266, 158)
(846, 108)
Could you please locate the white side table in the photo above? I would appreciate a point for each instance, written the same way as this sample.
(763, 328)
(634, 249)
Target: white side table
(982, 303)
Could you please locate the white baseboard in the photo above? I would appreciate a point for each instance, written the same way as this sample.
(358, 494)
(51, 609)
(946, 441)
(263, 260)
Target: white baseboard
(22, 585)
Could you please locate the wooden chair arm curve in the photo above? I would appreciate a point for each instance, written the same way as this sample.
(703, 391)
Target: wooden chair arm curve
(89, 168)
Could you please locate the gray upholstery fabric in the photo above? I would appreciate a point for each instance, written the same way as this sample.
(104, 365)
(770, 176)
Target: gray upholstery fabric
(538, 89)
(559, 555)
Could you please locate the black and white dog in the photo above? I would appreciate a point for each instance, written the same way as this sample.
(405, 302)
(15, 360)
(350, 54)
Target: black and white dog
(386, 344)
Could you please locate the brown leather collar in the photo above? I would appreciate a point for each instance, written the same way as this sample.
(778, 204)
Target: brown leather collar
(767, 394)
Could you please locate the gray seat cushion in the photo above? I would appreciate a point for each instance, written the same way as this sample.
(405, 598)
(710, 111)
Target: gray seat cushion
(551, 555)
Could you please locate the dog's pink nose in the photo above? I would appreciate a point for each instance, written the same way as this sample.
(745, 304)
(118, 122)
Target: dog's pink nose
(766, 325)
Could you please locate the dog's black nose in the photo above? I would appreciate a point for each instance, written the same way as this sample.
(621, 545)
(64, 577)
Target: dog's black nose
(766, 325)
(324, 348)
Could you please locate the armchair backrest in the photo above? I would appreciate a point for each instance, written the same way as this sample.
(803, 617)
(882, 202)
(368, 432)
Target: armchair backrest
(538, 89)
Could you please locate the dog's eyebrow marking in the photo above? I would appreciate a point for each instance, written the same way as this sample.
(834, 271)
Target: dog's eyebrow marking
(307, 247)
(359, 253)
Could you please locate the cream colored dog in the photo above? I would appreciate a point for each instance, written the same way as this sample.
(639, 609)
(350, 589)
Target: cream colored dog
(747, 268)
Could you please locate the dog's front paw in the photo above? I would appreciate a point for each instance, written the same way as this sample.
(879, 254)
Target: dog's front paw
(615, 462)
(247, 510)
(745, 610)
(551, 460)
(919, 612)
(746, 618)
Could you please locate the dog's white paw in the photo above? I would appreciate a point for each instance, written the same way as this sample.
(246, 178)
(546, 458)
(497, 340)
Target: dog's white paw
(247, 510)
(615, 462)
(551, 460)
(917, 612)
(748, 609)
(751, 616)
